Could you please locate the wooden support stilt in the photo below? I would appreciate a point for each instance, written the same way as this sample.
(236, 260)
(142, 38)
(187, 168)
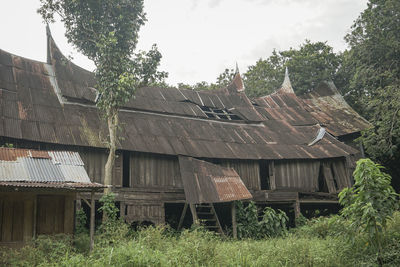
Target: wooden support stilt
(122, 209)
(92, 214)
(182, 216)
(234, 225)
(297, 211)
(194, 214)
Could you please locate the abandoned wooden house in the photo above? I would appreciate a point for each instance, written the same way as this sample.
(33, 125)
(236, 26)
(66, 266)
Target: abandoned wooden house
(180, 147)
(37, 193)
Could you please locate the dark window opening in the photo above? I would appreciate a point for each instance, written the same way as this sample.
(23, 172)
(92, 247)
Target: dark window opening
(126, 169)
(334, 178)
(264, 175)
(322, 186)
(221, 114)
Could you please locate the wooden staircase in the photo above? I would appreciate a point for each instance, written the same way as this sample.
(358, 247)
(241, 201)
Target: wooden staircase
(206, 216)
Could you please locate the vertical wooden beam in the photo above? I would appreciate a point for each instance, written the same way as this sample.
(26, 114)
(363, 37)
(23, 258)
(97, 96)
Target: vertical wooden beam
(194, 214)
(35, 203)
(297, 211)
(28, 219)
(182, 216)
(122, 208)
(272, 175)
(92, 214)
(234, 225)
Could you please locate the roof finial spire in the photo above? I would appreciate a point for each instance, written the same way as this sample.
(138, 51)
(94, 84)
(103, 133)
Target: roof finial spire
(237, 80)
(286, 86)
(237, 68)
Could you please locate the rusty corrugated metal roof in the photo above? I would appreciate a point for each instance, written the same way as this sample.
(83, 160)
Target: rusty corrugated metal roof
(34, 166)
(205, 182)
(328, 107)
(158, 120)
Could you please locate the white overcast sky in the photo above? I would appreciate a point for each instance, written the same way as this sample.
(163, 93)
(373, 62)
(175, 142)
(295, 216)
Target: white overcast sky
(199, 38)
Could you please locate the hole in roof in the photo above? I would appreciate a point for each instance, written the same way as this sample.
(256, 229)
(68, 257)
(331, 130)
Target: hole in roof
(221, 114)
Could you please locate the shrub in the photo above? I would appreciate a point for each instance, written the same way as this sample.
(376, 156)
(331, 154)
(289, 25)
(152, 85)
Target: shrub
(370, 203)
(272, 223)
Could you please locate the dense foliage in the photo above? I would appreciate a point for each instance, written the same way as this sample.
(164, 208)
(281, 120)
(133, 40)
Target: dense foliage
(373, 64)
(370, 203)
(252, 224)
(321, 242)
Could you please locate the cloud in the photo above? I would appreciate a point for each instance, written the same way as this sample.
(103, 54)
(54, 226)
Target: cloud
(214, 3)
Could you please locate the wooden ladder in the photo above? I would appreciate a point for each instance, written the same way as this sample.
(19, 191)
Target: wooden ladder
(205, 215)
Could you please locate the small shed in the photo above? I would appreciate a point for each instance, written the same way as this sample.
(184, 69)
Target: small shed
(37, 193)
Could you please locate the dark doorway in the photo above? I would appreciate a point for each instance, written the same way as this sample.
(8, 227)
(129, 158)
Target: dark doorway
(126, 167)
(173, 212)
(264, 175)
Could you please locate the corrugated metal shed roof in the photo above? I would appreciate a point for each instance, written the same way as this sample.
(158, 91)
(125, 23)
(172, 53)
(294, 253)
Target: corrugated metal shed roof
(205, 182)
(35, 167)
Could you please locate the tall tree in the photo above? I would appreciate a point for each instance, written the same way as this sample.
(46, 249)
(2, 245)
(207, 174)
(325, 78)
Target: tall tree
(265, 76)
(374, 59)
(106, 31)
(308, 65)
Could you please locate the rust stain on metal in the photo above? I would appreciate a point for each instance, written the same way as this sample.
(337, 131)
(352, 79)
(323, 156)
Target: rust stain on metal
(231, 188)
(204, 182)
(23, 115)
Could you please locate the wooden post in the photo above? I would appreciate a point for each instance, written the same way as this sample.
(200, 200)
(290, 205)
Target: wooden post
(194, 214)
(182, 216)
(234, 226)
(122, 208)
(272, 181)
(297, 211)
(35, 203)
(92, 214)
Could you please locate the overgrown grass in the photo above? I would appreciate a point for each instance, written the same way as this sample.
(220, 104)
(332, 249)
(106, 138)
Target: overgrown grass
(320, 242)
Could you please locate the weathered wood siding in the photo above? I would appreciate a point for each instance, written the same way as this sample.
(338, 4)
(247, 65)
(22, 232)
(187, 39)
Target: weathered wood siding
(22, 215)
(248, 170)
(95, 160)
(297, 174)
(150, 170)
(139, 212)
(337, 175)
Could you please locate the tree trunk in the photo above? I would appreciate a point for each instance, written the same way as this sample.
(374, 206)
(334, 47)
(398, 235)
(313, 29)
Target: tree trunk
(112, 122)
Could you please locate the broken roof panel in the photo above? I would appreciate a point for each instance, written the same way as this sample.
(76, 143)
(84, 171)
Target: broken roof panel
(328, 107)
(205, 182)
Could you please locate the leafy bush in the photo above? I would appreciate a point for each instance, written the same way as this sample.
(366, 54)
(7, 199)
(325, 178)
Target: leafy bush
(271, 224)
(370, 203)
(81, 222)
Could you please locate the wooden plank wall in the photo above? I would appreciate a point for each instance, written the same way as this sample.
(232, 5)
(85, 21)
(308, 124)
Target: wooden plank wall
(55, 214)
(248, 170)
(150, 170)
(297, 174)
(139, 212)
(16, 213)
(95, 160)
